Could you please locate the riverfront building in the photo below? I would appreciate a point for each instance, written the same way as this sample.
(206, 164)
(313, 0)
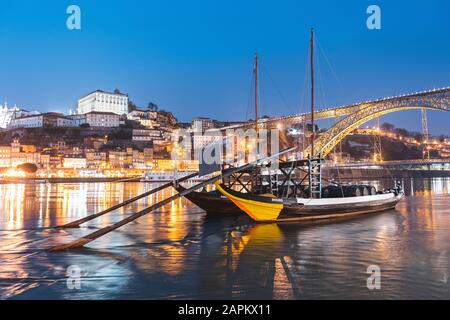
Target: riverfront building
(15, 154)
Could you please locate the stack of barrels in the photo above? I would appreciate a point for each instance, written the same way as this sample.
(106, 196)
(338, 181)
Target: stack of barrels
(348, 191)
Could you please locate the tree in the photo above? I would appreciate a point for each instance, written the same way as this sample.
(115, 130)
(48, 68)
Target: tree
(28, 167)
(122, 134)
(387, 127)
(402, 132)
(152, 107)
(131, 106)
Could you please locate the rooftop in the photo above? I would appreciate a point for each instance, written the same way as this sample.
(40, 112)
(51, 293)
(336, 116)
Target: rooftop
(105, 113)
(202, 118)
(47, 114)
(105, 92)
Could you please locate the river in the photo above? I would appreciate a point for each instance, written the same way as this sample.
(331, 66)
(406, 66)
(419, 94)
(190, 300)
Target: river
(180, 253)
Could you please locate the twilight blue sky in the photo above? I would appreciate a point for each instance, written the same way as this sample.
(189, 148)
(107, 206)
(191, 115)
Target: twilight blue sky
(195, 57)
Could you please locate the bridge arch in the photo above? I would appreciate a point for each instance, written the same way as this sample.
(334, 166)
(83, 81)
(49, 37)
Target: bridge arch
(327, 141)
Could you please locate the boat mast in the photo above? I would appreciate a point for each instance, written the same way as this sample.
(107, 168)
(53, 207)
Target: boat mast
(256, 92)
(312, 93)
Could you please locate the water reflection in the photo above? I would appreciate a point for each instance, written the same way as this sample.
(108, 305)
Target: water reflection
(179, 252)
(46, 205)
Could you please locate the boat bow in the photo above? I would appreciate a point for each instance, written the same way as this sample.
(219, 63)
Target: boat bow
(258, 207)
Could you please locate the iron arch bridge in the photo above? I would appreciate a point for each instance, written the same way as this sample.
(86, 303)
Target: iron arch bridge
(434, 100)
(330, 113)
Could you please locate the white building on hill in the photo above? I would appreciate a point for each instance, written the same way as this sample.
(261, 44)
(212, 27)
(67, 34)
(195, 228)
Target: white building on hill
(42, 120)
(101, 101)
(7, 114)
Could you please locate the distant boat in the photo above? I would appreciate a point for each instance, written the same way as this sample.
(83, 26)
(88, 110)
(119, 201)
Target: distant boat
(155, 176)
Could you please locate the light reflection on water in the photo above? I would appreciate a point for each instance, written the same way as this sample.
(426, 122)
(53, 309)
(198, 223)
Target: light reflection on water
(179, 252)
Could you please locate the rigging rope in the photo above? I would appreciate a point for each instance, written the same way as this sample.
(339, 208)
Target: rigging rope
(247, 112)
(277, 88)
(333, 72)
(303, 99)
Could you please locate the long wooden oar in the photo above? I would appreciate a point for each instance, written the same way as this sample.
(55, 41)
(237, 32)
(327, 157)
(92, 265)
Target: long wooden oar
(77, 223)
(97, 234)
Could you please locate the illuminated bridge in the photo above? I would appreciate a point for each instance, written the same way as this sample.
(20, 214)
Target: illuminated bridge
(353, 116)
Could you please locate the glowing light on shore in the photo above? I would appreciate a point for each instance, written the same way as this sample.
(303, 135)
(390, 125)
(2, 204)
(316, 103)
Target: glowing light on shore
(13, 173)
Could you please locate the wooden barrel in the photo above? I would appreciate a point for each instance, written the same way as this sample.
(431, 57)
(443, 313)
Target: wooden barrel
(352, 191)
(364, 190)
(372, 190)
(332, 192)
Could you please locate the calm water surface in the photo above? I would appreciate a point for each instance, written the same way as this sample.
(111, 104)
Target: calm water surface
(178, 252)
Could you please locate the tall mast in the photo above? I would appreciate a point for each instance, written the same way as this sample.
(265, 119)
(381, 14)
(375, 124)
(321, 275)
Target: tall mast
(312, 92)
(256, 92)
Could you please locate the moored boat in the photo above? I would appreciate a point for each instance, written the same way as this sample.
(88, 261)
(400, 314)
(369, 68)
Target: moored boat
(300, 195)
(213, 202)
(293, 190)
(265, 208)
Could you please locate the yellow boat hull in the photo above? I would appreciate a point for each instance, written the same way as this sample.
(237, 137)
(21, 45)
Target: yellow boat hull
(268, 209)
(258, 211)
